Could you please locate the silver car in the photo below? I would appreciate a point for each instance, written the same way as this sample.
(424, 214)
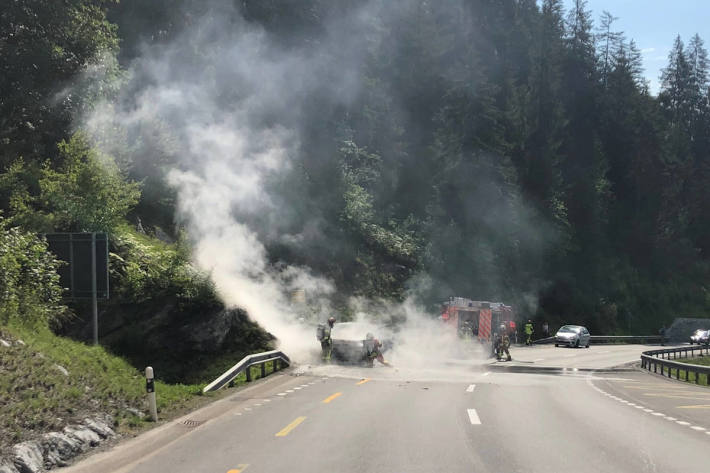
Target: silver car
(699, 336)
(573, 336)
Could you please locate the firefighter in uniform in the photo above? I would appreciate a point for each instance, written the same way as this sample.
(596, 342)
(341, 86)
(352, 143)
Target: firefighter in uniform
(504, 344)
(496, 343)
(528, 332)
(326, 342)
(373, 350)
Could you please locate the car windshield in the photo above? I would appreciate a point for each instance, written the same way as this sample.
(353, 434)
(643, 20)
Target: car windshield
(570, 329)
(357, 330)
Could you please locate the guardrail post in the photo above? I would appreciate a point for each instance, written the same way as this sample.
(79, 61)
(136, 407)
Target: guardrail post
(263, 370)
(655, 367)
(248, 374)
(277, 362)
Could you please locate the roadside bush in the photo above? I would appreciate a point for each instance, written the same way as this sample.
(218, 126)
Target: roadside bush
(143, 268)
(29, 283)
(82, 189)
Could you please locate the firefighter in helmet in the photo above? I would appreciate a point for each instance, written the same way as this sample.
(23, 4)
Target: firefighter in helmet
(373, 350)
(504, 344)
(528, 332)
(326, 342)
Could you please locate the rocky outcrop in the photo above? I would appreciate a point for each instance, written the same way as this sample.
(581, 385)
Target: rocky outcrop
(58, 448)
(7, 467)
(27, 457)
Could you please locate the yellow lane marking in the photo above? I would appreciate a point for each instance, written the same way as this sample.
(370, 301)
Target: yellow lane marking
(699, 406)
(363, 381)
(239, 468)
(656, 387)
(284, 432)
(331, 397)
(672, 396)
(674, 391)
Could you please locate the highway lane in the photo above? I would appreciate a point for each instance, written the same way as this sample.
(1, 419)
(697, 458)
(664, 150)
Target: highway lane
(462, 419)
(594, 357)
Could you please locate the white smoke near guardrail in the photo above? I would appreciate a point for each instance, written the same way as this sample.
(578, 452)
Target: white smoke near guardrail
(233, 111)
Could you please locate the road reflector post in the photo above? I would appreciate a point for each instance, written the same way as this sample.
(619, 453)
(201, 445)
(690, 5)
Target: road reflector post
(150, 389)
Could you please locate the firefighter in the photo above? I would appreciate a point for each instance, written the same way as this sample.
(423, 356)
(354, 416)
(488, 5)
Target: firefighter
(528, 332)
(326, 342)
(496, 343)
(504, 344)
(373, 350)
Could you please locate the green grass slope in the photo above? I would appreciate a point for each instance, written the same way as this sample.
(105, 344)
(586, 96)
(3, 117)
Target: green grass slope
(38, 397)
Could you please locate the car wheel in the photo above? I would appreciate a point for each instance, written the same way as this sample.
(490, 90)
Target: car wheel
(557, 344)
(587, 345)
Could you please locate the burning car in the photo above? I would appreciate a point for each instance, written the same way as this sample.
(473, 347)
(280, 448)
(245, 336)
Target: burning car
(349, 341)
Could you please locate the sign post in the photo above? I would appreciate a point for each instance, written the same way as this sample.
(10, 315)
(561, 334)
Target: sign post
(86, 273)
(94, 301)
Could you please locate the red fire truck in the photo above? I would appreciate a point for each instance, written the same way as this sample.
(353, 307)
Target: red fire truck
(480, 317)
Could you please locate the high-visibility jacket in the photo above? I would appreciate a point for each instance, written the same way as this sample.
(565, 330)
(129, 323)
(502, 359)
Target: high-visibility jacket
(505, 341)
(528, 329)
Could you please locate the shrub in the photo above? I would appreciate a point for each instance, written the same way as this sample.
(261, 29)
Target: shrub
(29, 283)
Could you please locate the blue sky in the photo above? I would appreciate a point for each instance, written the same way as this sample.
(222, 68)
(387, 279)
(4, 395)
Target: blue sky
(654, 24)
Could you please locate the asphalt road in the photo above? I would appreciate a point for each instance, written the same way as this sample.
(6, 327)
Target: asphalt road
(464, 416)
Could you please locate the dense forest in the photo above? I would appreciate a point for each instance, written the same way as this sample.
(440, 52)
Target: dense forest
(493, 149)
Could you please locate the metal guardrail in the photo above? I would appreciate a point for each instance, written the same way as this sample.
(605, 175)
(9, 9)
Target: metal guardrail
(628, 339)
(596, 339)
(276, 356)
(653, 359)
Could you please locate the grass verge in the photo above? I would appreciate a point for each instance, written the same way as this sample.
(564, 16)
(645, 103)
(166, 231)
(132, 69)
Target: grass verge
(48, 381)
(685, 375)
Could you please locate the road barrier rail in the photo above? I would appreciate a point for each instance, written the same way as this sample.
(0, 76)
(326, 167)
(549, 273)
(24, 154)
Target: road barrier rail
(655, 360)
(277, 357)
(604, 339)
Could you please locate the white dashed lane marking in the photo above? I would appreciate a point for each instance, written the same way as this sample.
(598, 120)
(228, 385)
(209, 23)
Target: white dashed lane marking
(473, 417)
(647, 410)
(470, 388)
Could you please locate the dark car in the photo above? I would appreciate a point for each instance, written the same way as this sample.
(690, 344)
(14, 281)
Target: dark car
(349, 337)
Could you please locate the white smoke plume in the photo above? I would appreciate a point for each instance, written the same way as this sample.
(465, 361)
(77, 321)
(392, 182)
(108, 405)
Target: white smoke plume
(233, 112)
(230, 155)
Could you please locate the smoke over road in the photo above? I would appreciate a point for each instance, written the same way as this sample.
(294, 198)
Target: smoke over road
(232, 100)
